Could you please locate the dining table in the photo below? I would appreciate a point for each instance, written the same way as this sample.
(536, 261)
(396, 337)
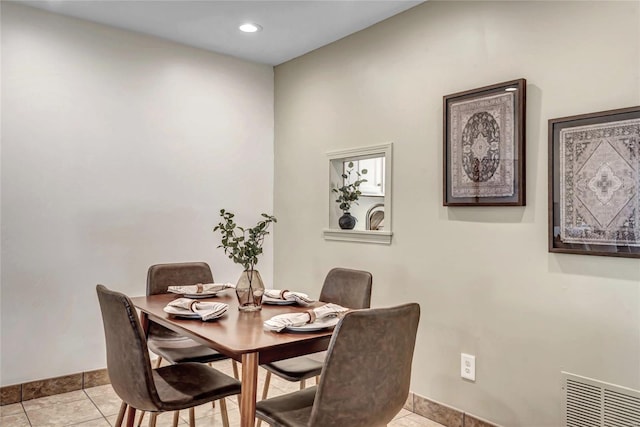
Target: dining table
(240, 336)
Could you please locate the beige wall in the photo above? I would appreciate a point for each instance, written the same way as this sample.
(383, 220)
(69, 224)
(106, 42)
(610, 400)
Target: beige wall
(118, 151)
(483, 276)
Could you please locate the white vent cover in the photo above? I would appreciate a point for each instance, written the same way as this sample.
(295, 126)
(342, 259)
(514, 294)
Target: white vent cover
(590, 403)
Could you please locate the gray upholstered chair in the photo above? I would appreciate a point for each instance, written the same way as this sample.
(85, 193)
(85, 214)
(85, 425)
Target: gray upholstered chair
(167, 344)
(366, 376)
(164, 342)
(170, 388)
(348, 288)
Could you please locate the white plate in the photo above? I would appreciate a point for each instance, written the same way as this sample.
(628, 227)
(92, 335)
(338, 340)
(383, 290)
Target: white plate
(202, 295)
(318, 325)
(180, 312)
(276, 301)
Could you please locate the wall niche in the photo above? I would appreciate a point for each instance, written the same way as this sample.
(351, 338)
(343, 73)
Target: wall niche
(373, 208)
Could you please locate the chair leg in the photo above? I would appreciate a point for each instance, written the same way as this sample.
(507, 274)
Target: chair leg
(265, 392)
(158, 362)
(140, 419)
(234, 365)
(131, 416)
(192, 417)
(176, 414)
(303, 384)
(267, 381)
(223, 412)
(123, 409)
(152, 419)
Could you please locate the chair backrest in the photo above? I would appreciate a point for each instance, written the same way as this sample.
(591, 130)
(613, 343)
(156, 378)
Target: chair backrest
(348, 288)
(161, 276)
(366, 376)
(128, 361)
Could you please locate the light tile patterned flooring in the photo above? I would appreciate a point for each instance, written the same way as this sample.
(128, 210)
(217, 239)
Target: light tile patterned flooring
(98, 407)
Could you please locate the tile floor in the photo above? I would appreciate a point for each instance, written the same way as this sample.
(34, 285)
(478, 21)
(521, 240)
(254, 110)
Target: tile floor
(98, 407)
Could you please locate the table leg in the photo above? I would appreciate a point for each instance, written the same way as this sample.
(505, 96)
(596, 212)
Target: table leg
(249, 389)
(144, 322)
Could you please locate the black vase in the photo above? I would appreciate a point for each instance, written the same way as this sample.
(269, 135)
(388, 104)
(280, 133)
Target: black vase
(347, 221)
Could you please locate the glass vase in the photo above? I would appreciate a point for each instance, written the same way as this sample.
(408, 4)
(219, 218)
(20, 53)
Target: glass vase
(249, 291)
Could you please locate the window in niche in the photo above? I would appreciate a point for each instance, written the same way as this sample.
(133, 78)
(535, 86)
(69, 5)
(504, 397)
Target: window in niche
(372, 211)
(374, 166)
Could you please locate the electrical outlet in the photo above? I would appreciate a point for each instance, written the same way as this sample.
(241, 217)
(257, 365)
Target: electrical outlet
(468, 366)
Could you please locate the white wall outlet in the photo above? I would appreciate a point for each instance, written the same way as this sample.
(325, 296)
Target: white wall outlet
(468, 366)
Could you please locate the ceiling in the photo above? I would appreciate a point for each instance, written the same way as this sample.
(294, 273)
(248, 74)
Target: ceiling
(290, 28)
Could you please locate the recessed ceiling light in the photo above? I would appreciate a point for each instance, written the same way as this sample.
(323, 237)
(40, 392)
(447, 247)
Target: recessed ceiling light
(511, 89)
(250, 28)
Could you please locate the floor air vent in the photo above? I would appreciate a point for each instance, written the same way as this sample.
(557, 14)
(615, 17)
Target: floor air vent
(590, 403)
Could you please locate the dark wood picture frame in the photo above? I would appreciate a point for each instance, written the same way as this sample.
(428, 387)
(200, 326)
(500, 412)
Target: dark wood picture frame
(599, 156)
(497, 179)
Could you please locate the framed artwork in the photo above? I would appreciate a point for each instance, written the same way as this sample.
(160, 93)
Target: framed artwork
(484, 146)
(594, 183)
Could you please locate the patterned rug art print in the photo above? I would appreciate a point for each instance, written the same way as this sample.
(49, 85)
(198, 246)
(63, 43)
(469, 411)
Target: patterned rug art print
(600, 184)
(482, 147)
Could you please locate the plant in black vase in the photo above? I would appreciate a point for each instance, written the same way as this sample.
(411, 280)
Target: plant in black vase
(349, 193)
(243, 246)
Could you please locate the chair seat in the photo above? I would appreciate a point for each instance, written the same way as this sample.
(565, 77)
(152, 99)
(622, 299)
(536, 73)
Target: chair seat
(289, 410)
(183, 350)
(186, 385)
(296, 368)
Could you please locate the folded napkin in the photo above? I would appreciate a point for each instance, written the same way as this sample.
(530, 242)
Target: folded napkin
(298, 297)
(206, 310)
(281, 321)
(206, 288)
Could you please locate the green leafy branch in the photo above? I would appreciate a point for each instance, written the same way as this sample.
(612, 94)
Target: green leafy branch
(243, 245)
(350, 191)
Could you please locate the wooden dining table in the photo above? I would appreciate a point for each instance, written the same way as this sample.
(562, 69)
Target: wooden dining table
(239, 335)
